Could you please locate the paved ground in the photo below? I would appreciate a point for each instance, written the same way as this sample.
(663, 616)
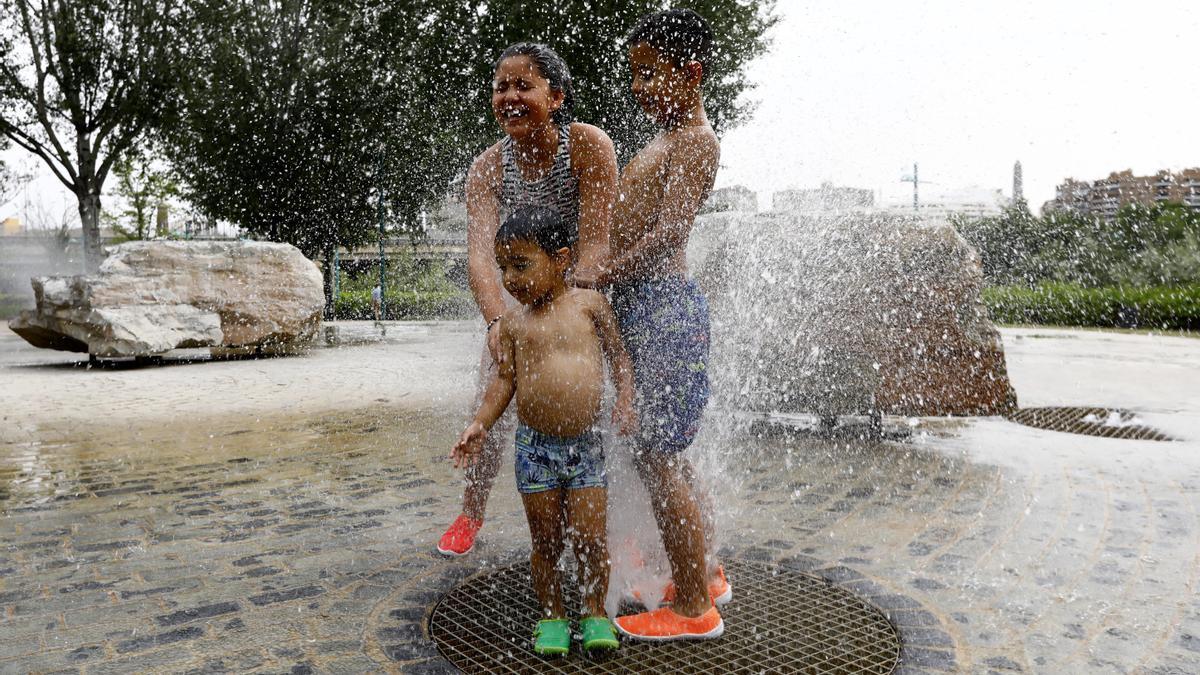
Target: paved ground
(276, 515)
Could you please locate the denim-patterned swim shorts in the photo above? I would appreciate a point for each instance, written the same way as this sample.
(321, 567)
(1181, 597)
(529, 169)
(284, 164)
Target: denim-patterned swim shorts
(545, 462)
(664, 324)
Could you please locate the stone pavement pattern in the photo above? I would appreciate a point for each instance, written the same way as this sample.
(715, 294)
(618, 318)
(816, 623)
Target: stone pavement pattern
(277, 515)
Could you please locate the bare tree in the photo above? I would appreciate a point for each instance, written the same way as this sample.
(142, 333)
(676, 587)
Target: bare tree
(9, 180)
(80, 81)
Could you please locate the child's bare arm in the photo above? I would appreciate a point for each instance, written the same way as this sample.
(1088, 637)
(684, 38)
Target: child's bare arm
(495, 400)
(690, 171)
(483, 217)
(618, 361)
(595, 162)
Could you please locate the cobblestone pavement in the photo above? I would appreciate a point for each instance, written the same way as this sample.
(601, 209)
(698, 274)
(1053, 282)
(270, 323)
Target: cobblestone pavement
(277, 515)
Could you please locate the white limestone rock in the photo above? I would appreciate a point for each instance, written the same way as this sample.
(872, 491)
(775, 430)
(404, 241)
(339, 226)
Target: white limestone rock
(150, 297)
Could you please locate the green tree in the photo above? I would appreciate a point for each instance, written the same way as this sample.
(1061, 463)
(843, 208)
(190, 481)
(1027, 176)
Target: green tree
(80, 81)
(278, 128)
(590, 38)
(1153, 244)
(298, 116)
(142, 188)
(9, 179)
(1007, 244)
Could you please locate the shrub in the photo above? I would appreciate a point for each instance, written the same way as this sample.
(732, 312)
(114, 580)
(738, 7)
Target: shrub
(415, 305)
(11, 305)
(1163, 307)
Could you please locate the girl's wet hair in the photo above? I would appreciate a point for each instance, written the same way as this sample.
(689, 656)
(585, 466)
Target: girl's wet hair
(552, 67)
(679, 34)
(540, 224)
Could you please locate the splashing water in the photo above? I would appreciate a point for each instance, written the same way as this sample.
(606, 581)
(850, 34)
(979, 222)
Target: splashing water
(806, 307)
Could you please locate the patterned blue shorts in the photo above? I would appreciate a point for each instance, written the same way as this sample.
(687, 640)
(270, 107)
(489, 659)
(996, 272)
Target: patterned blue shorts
(664, 324)
(545, 462)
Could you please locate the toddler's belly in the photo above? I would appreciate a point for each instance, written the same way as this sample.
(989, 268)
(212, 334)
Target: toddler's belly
(561, 395)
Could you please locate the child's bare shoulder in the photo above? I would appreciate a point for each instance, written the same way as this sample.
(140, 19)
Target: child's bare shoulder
(512, 318)
(590, 147)
(698, 141)
(587, 136)
(486, 166)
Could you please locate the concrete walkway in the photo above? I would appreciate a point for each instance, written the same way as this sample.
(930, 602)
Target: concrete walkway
(276, 515)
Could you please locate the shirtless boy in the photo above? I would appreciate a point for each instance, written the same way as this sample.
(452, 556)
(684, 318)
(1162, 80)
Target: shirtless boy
(551, 348)
(662, 314)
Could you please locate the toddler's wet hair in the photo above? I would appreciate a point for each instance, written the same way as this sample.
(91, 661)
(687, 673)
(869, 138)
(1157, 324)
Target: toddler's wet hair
(679, 34)
(539, 224)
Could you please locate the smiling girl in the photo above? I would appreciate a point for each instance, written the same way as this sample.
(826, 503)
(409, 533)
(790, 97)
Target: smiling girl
(545, 159)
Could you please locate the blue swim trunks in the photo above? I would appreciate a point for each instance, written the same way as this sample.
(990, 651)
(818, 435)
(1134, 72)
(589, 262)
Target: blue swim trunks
(664, 323)
(546, 462)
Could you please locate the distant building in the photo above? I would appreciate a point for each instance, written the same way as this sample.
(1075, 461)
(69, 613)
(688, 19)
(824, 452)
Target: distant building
(972, 201)
(828, 197)
(735, 198)
(10, 226)
(450, 215)
(1103, 198)
(1018, 193)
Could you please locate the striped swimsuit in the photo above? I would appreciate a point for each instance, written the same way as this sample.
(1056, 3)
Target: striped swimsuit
(558, 189)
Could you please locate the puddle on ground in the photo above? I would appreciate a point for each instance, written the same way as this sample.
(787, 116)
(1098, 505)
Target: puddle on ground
(98, 461)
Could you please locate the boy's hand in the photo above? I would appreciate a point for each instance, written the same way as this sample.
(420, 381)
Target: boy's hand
(470, 443)
(624, 417)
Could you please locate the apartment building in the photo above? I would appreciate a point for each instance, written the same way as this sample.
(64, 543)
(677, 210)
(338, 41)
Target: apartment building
(1104, 197)
(828, 197)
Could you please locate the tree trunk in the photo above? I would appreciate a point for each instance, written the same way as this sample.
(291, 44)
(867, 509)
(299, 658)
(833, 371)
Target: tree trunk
(327, 282)
(89, 219)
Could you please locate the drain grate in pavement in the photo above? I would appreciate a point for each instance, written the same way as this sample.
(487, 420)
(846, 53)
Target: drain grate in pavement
(779, 621)
(1105, 422)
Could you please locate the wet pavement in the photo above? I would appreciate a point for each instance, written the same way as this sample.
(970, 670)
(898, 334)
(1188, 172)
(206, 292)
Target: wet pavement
(277, 515)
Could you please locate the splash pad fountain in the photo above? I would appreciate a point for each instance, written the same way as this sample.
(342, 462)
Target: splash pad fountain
(817, 319)
(270, 528)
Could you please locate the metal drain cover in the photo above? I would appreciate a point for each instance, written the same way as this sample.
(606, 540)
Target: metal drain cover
(1105, 422)
(779, 621)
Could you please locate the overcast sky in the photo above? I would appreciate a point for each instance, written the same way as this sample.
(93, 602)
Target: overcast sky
(854, 92)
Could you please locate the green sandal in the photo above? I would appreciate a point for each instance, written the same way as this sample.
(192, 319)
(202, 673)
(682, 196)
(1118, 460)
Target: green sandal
(598, 633)
(552, 636)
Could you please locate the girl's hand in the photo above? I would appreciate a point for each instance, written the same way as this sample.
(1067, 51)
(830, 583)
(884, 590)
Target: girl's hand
(624, 417)
(493, 344)
(595, 278)
(470, 443)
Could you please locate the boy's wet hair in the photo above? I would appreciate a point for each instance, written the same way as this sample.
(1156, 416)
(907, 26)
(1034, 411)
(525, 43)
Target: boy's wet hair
(552, 67)
(679, 34)
(540, 224)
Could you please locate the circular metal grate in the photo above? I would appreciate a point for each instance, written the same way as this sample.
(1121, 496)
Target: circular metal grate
(780, 621)
(1104, 422)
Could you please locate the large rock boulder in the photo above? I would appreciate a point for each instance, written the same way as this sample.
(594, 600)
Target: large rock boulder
(849, 312)
(150, 297)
